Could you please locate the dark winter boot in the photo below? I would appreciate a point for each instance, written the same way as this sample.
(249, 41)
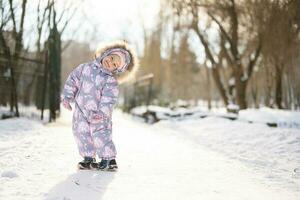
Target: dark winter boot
(112, 165)
(86, 163)
(105, 165)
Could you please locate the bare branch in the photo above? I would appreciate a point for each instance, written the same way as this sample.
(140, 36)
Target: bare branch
(23, 16)
(204, 42)
(68, 20)
(234, 27)
(12, 14)
(222, 29)
(63, 12)
(5, 17)
(252, 62)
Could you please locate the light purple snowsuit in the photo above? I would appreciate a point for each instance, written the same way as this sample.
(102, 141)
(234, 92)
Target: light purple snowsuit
(94, 90)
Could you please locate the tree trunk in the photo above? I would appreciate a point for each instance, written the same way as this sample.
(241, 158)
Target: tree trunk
(278, 87)
(217, 79)
(11, 65)
(254, 92)
(240, 87)
(215, 69)
(208, 91)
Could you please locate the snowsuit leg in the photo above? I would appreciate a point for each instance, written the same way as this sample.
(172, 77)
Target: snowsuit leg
(82, 134)
(102, 135)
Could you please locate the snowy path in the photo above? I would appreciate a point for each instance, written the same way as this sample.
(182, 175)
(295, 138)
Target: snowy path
(154, 163)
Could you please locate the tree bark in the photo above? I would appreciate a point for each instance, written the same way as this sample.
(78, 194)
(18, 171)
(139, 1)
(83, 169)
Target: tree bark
(240, 87)
(208, 94)
(278, 87)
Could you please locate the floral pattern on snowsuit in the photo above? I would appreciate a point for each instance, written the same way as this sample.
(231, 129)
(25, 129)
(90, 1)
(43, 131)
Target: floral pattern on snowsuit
(94, 91)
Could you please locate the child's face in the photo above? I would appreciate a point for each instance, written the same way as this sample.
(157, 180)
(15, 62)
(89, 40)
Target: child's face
(111, 62)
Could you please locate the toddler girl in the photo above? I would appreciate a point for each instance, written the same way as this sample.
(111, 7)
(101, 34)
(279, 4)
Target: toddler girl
(93, 87)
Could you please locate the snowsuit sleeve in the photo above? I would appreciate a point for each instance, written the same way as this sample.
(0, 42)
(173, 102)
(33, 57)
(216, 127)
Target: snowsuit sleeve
(109, 99)
(71, 85)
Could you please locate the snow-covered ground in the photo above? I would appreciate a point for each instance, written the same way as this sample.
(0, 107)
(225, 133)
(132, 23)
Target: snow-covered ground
(263, 115)
(25, 111)
(272, 153)
(210, 158)
(283, 118)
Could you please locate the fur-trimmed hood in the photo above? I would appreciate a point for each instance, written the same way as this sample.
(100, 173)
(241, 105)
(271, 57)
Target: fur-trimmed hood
(132, 67)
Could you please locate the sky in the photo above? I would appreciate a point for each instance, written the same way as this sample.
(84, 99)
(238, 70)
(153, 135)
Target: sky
(97, 21)
(115, 19)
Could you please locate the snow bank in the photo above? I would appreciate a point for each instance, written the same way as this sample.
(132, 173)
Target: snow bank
(30, 112)
(283, 118)
(271, 117)
(275, 153)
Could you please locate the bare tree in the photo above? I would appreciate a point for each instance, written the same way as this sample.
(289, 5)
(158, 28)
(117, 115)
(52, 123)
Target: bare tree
(279, 22)
(240, 49)
(12, 53)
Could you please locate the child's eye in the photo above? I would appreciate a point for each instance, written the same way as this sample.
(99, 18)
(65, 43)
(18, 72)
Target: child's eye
(112, 58)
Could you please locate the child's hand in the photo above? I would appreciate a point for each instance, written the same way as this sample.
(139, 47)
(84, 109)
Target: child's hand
(67, 105)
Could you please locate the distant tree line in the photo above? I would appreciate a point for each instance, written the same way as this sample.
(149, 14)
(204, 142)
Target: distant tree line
(27, 76)
(251, 51)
